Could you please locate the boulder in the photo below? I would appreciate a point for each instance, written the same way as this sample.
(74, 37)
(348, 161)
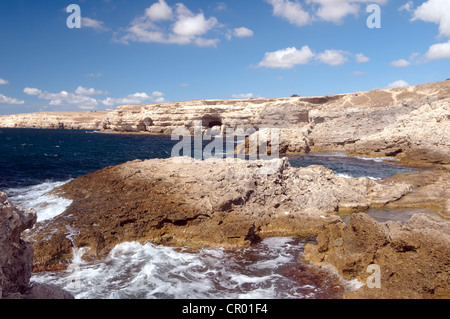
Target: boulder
(16, 258)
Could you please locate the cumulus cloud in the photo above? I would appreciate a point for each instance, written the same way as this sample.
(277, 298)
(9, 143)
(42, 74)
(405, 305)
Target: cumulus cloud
(10, 100)
(318, 10)
(84, 91)
(397, 84)
(136, 98)
(292, 11)
(435, 11)
(184, 27)
(400, 63)
(159, 11)
(64, 98)
(242, 32)
(361, 58)
(287, 58)
(290, 57)
(3, 82)
(82, 98)
(438, 51)
(332, 57)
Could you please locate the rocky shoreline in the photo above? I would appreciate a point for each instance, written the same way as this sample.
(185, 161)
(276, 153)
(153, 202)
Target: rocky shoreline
(410, 124)
(218, 204)
(237, 203)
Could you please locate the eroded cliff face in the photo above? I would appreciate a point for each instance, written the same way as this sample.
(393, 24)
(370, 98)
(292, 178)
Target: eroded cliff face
(92, 120)
(411, 123)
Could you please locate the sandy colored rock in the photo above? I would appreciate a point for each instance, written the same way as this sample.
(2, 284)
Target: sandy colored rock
(413, 258)
(410, 124)
(209, 203)
(82, 120)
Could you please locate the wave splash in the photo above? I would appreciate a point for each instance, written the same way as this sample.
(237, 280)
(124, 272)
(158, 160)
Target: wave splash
(146, 271)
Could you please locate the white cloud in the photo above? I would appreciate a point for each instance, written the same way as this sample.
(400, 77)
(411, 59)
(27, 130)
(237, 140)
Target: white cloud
(190, 25)
(83, 91)
(397, 84)
(407, 6)
(159, 11)
(242, 32)
(290, 57)
(32, 91)
(3, 82)
(206, 42)
(136, 98)
(220, 6)
(435, 11)
(242, 96)
(10, 100)
(358, 73)
(438, 51)
(94, 24)
(291, 11)
(63, 98)
(332, 57)
(185, 27)
(287, 58)
(400, 63)
(361, 58)
(318, 10)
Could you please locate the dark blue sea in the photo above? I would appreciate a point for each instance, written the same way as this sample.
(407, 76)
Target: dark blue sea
(33, 162)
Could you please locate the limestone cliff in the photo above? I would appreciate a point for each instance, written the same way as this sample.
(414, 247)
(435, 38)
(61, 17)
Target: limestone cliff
(55, 120)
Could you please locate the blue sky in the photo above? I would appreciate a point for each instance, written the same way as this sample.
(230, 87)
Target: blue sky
(152, 51)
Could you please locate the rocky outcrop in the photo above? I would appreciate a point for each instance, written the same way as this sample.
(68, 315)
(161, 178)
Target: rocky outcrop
(204, 203)
(85, 120)
(16, 258)
(394, 260)
(409, 123)
(430, 190)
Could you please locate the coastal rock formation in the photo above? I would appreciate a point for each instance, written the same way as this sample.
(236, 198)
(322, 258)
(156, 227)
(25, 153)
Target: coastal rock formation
(430, 190)
(198, 203)
(16, 257)
(411, 260)
(85, 120)
(410, 123)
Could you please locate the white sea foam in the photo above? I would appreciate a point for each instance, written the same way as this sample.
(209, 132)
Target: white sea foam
(37, 197)
(145, 271)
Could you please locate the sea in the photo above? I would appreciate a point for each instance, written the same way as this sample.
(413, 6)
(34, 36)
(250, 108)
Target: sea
(33, 162)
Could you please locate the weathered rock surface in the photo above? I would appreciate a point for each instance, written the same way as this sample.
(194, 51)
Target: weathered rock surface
(413, 258)
(411, 123)
(85, 120)
(206, 203)
(16, 257)
(430, 190)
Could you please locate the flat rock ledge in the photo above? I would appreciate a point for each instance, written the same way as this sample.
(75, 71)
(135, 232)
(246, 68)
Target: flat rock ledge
(412, 260)
(183, 202)
(16, 257)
